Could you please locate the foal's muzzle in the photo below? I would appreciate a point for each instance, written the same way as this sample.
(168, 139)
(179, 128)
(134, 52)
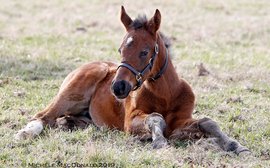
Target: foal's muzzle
(121, 89)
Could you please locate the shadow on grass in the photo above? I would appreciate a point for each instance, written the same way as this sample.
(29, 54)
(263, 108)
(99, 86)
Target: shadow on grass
(34, 69)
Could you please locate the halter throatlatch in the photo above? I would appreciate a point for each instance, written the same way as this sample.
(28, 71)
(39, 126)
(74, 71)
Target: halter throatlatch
(139, 74)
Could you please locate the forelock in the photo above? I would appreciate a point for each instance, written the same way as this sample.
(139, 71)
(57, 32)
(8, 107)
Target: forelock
(139, 22)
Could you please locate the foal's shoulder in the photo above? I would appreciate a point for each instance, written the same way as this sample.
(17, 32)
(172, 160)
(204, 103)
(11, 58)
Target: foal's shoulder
(185, 87)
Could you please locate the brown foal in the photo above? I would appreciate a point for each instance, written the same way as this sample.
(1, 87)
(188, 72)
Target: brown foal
(143, 95)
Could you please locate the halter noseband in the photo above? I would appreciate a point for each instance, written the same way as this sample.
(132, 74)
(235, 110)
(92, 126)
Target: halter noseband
(139, 74)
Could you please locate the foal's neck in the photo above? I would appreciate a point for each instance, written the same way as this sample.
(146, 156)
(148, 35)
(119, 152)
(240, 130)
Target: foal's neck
(169, 80)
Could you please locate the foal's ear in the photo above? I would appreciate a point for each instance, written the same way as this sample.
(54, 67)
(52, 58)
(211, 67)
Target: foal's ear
(154, 23)
(126, 20)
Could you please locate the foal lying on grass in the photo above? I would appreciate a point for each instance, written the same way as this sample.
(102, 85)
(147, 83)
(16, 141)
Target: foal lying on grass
(155, 102)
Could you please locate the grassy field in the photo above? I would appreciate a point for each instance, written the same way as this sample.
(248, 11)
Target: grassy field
(42, 41)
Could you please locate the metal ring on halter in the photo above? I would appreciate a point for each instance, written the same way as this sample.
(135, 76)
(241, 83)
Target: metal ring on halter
(138, 77)
(156, 48)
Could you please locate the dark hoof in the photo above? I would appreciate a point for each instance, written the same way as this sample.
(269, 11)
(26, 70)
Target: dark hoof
(160, 142)
(237, 148)
(146, 138)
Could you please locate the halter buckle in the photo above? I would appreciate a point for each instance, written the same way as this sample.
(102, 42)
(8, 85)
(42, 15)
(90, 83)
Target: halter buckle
(139, 77)
(156, 48)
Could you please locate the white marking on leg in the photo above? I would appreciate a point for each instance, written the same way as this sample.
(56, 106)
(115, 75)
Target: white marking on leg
(31, 130)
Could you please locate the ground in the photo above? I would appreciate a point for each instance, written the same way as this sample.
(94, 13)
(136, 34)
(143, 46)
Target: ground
(42, 41)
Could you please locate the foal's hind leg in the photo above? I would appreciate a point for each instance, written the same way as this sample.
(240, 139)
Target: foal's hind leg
(71, 122)
(208, 128)
(60, 106)
(73, 98)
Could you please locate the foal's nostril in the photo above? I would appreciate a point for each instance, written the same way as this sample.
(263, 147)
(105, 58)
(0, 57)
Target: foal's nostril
(121, 88)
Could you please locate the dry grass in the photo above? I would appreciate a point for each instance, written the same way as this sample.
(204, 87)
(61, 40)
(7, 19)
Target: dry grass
(42, 41)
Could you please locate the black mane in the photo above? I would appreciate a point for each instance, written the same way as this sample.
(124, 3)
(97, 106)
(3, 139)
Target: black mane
(141, 21)
(166, 40)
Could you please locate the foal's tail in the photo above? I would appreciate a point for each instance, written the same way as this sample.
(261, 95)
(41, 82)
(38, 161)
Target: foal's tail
(73, 98)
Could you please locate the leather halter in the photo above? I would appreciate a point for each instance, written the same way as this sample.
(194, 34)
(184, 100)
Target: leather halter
(139, 74)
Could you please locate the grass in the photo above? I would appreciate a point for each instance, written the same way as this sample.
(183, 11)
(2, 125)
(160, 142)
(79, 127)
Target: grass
(41, 42)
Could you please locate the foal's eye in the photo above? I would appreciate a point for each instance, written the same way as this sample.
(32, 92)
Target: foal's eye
(143, 53)
(119, 50)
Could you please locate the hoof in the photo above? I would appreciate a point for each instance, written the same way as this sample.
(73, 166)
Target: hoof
(160, 142)
(22, 135)
(242, 151)
(237, 148)
(31, 130)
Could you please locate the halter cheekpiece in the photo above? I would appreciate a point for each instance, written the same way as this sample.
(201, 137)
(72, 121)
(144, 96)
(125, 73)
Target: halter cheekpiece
(139, 74)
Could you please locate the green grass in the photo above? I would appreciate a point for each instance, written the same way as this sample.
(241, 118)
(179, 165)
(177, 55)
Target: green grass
(40, 44)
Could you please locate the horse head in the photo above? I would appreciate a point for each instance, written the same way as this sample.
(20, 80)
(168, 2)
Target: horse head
(139, 51)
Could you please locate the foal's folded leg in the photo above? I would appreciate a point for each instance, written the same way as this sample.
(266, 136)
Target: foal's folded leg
(155, 123)
(70, 122)
(150, 126)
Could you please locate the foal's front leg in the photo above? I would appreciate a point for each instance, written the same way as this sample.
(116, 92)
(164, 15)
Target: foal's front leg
(195, 129)
(155, 123)
(211, 129)
(150, 125)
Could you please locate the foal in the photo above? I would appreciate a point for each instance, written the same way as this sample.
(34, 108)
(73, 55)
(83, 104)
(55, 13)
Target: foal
(155, 103)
